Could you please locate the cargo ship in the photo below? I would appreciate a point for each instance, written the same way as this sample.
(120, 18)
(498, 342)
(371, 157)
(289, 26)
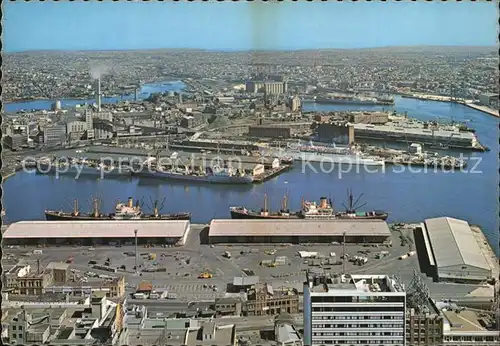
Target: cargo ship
(123, 211)
(212, 175)
(310, 211)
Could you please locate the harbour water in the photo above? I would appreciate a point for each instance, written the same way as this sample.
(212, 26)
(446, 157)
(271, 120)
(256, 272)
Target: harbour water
(409, 195)
(145, 91)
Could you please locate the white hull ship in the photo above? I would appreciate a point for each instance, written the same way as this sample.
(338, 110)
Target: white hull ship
(338, 155)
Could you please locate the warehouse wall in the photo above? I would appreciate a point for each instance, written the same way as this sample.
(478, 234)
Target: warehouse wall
(463, 273)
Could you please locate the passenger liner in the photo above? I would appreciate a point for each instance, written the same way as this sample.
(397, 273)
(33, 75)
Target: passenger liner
(339, 155)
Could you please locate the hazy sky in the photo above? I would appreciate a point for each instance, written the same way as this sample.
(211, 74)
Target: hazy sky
(243, 26)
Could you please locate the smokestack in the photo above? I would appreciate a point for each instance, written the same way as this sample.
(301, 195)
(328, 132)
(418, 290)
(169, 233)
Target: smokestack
(98, 97)
(130, 202)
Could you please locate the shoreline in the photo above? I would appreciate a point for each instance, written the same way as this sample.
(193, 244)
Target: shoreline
(6, 176)
(483, 109)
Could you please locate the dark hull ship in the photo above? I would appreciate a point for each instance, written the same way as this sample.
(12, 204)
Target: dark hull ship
(310, 210)
(123, 211)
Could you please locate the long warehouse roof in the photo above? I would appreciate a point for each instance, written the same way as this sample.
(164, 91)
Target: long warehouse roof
(96, 229)
(234, 228)
(454, 244)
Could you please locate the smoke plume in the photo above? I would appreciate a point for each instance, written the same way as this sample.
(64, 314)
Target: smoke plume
(97, 71)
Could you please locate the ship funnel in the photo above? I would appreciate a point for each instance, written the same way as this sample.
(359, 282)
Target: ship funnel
(323, 203)
(130, 202)
(155, 211)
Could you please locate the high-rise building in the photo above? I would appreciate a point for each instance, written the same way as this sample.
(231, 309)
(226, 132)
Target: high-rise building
(90, 123)
(353, 310)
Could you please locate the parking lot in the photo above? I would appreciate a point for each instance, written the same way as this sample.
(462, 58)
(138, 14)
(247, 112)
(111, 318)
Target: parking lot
(278, 264)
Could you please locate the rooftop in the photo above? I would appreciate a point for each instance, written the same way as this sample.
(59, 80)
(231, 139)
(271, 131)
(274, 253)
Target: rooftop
(245, 280)
(57, 266)
(463, 320)
(355, 284)
(286, 333)
(453, 243)
(95, 229)
(235, 228)
(211, 334)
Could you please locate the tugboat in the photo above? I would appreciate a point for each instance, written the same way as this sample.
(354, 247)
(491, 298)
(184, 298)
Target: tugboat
(123, 211)
(311, 210)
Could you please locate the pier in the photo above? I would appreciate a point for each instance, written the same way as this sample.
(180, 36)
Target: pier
(271, 173)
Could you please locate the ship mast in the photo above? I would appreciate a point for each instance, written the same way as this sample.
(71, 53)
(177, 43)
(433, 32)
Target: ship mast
(155, 209)
(96, 208)
(75, 207)
(157, 159)
(264, 211)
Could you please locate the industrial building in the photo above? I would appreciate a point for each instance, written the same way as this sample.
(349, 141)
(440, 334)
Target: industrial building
(267, 87)
(453, 251)
(96, 232)
(369, 117)
(298, 231)
(359, 309)
(339, 132)
(422, 135)
(270, 131)
(488, 99)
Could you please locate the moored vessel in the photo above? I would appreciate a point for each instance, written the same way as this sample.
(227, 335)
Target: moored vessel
(324, 154)
(213, 175)
(323, 210)
(80, 167)
(122, 211)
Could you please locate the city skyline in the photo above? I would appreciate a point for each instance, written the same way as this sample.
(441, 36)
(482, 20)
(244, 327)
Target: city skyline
(262, 26)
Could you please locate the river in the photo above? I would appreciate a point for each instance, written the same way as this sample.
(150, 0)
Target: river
(146, 90)
(408, 196)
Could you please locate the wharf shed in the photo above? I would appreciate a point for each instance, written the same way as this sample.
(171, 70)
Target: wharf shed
(457, 255)
(97, 232)
(298, 231)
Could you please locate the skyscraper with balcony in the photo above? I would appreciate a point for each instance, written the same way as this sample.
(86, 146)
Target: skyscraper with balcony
(353, 310)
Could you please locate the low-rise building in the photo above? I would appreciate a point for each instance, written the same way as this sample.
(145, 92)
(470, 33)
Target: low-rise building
(228, 306)
(192, 119)
(424, 329)
(112, 288)
(466, 327)
(265, 131)
(54, 134)
(263, 299)
(99, 322)
(60, 272)
(33, 284)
